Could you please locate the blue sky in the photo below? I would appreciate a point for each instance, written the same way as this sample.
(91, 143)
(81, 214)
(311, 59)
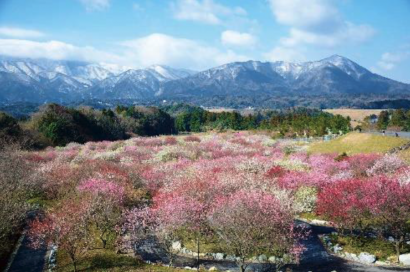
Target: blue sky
(199, 34)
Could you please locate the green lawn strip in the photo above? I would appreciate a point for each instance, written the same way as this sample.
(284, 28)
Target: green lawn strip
(355, 143)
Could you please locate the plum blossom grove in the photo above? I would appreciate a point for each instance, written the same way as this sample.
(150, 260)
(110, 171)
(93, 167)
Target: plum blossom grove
(240, 191)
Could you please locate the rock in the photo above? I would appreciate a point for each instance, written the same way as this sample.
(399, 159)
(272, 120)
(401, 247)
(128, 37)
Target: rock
(262, 258)
(405, 259)
(213, 268)
(381, 263)
(231, 258)
(366, 258)
(351, 256)
(176, 246)
(372, 235)
(184, 250)
(219, 256)
(318, 222)
(337, 248)
(329, 244)
(254, 259)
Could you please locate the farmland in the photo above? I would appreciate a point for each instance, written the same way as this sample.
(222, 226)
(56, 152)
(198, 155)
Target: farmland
(356, 115)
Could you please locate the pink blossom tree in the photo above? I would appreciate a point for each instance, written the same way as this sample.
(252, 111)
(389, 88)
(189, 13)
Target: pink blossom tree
(143, 223)
(65, 226)
(253, 222)
(175, 212)
(105, 201)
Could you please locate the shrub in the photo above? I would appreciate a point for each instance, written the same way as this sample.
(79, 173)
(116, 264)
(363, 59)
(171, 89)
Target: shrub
(192, 138)
(305, 198)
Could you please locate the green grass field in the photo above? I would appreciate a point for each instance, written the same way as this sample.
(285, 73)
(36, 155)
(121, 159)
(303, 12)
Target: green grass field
(354, 143)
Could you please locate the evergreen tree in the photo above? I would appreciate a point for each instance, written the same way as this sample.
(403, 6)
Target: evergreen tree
(383, 120)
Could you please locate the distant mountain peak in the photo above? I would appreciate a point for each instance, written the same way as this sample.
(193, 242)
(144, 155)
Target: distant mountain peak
(47, 80)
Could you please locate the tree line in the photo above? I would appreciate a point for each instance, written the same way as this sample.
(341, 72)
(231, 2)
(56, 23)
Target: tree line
(56, 125)
(291, 123)
(398, 120)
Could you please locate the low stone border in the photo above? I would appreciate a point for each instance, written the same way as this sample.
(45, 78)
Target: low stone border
(316, 222)
(364, 257)
(177, 247)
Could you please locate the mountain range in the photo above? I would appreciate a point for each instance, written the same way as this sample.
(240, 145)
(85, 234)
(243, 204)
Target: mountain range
(42, 80)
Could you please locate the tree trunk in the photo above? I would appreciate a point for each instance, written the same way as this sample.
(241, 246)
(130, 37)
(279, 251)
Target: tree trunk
(75, 266)
(73, 260)
(197, 246)
(104, 242)
(397, 246)
(241, 265)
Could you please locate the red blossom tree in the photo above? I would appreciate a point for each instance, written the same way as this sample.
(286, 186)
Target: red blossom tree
(379, 202)
(349, 203)
(393, 209)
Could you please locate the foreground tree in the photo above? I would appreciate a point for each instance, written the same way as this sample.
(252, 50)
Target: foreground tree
(350, 204)
(251, 223)
(393, 209)
(18, 184)
(175, 214)
(105, 201)
(141, 224)
(378, 203)
(65, 226)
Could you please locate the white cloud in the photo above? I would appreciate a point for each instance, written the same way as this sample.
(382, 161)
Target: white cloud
(347, 33)
(52, 50)
(230, 37)
(307, 15)
(178, 52)
(205, 11)
(390, 60)
(285, 54)
(92, 5)
(316, 23)
(156, 48)
(15, 32)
